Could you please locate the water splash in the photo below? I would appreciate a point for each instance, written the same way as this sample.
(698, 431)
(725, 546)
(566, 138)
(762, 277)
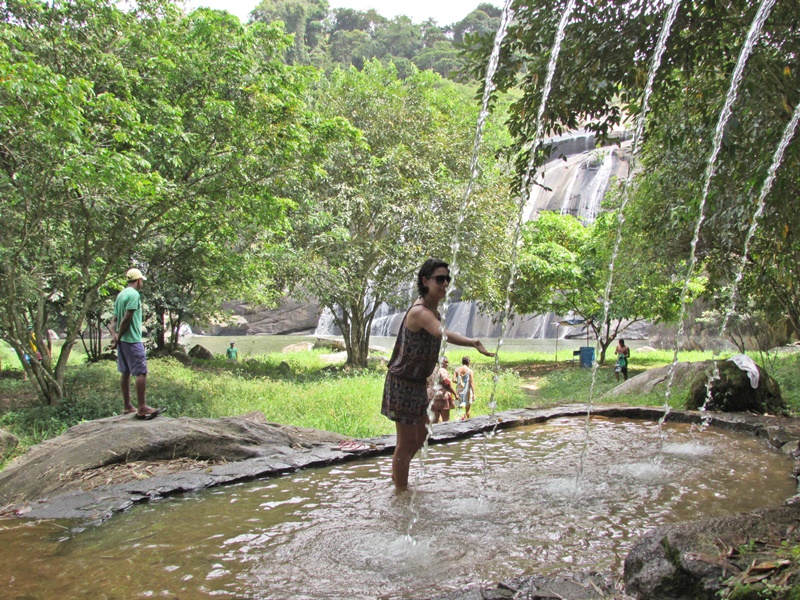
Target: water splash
(752, 36)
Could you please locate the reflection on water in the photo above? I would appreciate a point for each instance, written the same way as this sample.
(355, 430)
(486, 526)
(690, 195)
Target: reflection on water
(339, 532)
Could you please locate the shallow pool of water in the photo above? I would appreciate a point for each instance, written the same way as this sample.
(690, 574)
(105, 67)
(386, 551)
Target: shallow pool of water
(341, 532)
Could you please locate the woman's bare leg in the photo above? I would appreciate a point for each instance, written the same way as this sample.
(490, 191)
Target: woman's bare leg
(410, 439)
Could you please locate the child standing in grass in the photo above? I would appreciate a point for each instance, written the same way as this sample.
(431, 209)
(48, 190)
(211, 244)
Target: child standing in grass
(441, 393)
(465, 386)
(405, 395)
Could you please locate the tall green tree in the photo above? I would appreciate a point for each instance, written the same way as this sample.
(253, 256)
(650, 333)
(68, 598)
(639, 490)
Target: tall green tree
(599, 82)
(301, 18)
(485, 19)
(563, 269)
(389, 197)
(119, 127)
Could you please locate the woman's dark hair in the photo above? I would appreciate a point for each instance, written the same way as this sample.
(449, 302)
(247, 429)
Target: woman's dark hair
(426, 270)
(465, 360)
(621, 341)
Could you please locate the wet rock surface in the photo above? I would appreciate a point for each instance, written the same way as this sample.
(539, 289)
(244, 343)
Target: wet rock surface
(691, 560)
(61, 465)
(732, 391)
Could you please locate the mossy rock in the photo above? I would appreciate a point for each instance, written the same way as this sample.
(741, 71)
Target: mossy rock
(732, 392)
(8, 443)
(201, 352)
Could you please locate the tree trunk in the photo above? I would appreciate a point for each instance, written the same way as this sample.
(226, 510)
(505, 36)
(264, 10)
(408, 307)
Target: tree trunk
(603, 340)
(160, 337)
(93, 340)
(175, 322)
(355, 327)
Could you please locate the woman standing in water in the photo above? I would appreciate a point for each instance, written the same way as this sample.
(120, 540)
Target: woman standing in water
(405, 396)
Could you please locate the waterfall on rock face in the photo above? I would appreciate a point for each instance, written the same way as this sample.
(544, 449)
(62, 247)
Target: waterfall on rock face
(568, 192)
(386, 321)
(326, 324)
(570, 182)
(597, 191)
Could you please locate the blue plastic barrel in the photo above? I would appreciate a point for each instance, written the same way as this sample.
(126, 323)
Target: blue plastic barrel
(586, 356)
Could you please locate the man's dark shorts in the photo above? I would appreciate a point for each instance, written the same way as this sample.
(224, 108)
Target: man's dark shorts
(131, 359)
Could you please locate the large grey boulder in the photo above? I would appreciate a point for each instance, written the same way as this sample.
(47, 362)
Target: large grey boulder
(181, 357)
(326, 343)
(298, 347)
(725, 387)
(656, 380)
(52, 466)
(201, 352)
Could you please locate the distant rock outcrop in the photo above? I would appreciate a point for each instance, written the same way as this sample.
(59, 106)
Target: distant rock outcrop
(290, 317)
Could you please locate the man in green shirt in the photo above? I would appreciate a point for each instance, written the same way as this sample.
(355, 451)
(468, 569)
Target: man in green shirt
(126, 334)
(232, 352)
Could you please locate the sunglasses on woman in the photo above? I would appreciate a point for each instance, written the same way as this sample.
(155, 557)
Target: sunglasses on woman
(441, 279)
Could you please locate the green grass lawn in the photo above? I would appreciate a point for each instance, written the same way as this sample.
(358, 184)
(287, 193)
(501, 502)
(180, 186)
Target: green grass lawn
(312, 393)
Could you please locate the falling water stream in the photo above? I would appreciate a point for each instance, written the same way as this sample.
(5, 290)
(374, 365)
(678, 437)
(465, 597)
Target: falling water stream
(655, 63)
(525, 191)
(752, 36)
(777, 159)
(527, 181)
(489, 87)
